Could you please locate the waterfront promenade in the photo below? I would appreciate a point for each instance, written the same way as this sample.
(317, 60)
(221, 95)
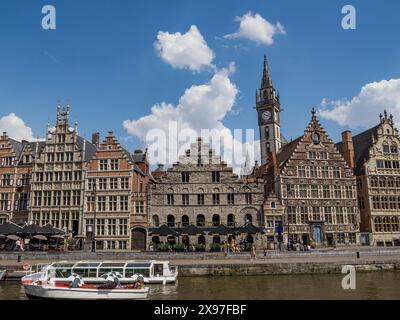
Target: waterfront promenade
(206, 264)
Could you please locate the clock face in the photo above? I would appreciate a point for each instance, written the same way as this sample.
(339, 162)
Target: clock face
(315, 137)
(266, 115)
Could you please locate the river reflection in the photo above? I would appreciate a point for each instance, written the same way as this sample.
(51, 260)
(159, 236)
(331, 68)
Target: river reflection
(376, 285)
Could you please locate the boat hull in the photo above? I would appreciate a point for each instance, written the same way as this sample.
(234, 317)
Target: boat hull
(53, 292)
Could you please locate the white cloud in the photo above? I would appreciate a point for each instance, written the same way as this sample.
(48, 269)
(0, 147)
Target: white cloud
(184, 51)
(363, 109)
(15, 127)
(255, 28)
(200, 107)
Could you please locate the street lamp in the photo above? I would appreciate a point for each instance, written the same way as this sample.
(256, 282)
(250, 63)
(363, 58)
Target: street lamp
(94, 219)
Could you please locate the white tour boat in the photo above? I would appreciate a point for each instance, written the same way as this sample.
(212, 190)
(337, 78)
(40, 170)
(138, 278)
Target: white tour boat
(153, 272)
(54, 290)
(2, 273)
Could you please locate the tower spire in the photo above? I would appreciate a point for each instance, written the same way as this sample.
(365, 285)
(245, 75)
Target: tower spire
(266, 78)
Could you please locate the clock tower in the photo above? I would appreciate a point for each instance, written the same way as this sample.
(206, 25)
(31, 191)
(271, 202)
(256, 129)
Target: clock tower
(268, 110)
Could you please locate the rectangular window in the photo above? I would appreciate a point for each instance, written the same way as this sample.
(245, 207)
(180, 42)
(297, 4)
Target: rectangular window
(139, 206)
(113, 202)
(185, 199)
(102, 184)
(337, 192)
(314, 192)
(123, 227)
(215, 176)
(231, 198)
(114, 164)
(101, 203)
(66, 198)
(215, 198)
(100, 226)
(124, 205)
(125, 183)
(303, 191)
(200, 199)
(248, 198)
(336, 172)
(170, 199)
(103, 164)
(185, 177)
(113, 183)
(112, 227)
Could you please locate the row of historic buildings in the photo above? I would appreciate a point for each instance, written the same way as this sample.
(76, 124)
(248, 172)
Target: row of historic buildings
(308, 190)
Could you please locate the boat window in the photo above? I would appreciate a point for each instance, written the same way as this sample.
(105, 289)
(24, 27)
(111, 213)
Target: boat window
(103, 271)
(86, 272)
(129, 272)
(62, 265)
(138, 265)
(112, 264)
(63, 272)
(158, 269)
(87, 265)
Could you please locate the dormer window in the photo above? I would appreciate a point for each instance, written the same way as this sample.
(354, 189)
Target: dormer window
(393, 148)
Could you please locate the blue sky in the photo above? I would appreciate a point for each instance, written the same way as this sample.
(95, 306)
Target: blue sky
(102, 57)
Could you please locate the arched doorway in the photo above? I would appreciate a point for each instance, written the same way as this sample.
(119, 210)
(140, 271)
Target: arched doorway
(201, 240)
(138, 239)
(171, 240)
(216, 239)
(156, 221)
(186, 240)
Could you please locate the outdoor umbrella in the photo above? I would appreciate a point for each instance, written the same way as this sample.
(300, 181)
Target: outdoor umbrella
(49, 229)
(32, 229)
(57, 236)
(40, 237)
(9, 228)
(12, 237)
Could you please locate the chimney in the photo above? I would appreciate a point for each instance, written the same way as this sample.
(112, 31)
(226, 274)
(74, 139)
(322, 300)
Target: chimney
(96, 138)
(348, 148)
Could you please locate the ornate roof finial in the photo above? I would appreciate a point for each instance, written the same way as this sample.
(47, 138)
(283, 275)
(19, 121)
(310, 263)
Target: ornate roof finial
(385, 113)
(391, 118)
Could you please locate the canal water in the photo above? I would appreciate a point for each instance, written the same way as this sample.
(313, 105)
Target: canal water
(375, 285)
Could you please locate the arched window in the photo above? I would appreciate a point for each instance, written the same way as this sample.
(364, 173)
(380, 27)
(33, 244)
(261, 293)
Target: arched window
(248, 218)
(200, 220)
(156, 221)
(393, 148)
(185, 221)
(215, 220)
(171, 221)
(231, 220)
(216, 239)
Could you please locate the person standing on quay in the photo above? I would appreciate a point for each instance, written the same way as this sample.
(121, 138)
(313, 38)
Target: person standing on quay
(253, 252)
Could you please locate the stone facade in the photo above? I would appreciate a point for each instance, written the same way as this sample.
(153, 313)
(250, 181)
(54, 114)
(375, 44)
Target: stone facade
(202, 191)
(311, 183)
(115, 195)
(58, 179)
(16, 163)
(374, 155)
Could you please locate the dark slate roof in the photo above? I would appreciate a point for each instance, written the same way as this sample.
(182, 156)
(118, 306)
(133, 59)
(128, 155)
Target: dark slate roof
(17, 146)
(286, 151)
(362, 143)
(90, 148)
(139, 156)
(39, 144)
(9, 228)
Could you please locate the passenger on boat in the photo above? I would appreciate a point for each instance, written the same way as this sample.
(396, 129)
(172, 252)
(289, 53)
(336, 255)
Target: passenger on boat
(110, 283)
(76, 281)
